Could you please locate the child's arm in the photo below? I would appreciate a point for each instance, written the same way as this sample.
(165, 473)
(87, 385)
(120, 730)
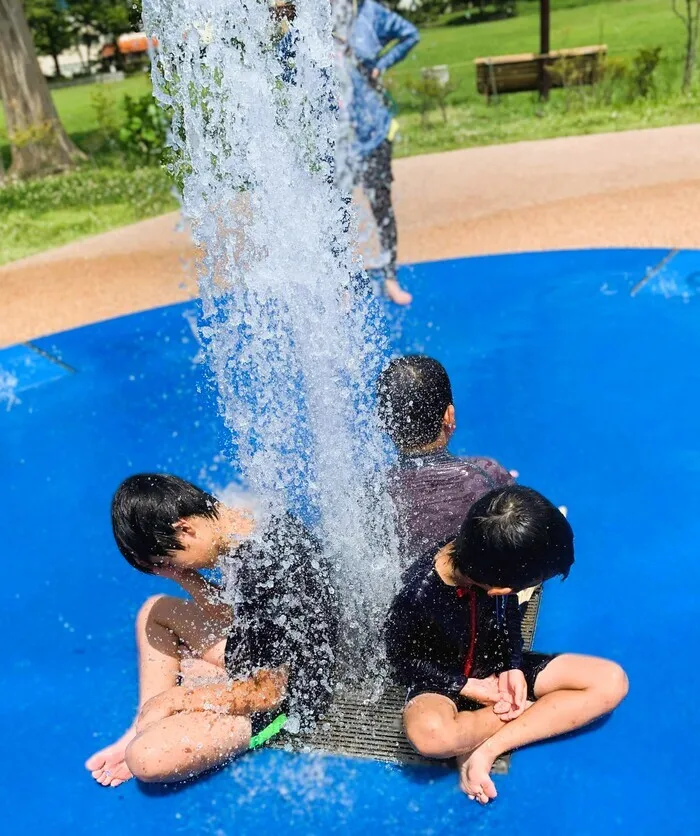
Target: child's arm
(511, 681)
(411, 652)
(393, 27)
(511, 623)
(263, 691)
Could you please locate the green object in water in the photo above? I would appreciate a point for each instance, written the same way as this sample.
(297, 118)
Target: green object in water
(271, 730)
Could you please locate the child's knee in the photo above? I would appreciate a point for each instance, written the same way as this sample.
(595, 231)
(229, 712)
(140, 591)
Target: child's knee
(431, 735)
(613, 685)
(144, 762)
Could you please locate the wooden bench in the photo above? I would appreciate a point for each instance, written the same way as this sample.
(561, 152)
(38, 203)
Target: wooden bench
(521, 73)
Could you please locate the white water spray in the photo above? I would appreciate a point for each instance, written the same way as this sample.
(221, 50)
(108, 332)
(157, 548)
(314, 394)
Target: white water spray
(294, 346)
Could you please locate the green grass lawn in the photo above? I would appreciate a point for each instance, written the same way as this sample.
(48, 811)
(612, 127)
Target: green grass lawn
(75, 107)
(624, 25)
(39, 214)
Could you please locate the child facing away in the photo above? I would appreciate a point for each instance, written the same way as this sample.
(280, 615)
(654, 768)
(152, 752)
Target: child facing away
(431, 488)
(216, 680)
(454, 639)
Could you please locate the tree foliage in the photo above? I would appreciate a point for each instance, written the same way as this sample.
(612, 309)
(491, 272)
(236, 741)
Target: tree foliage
(50, 26)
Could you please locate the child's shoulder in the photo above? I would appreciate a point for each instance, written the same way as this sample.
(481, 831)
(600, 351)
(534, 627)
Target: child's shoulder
(417, 578)
(488, 467)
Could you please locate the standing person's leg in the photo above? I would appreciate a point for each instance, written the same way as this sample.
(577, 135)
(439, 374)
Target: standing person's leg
(165, 626)
(571, 692)
(377, 178)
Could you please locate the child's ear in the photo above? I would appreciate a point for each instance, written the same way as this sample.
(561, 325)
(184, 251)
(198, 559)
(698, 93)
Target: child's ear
(184, 527)
(499, 590)
(448, 419)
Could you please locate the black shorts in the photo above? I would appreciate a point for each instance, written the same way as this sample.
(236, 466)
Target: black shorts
(532, 666)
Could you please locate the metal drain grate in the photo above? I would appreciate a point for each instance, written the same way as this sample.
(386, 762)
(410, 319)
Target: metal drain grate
(375, 731)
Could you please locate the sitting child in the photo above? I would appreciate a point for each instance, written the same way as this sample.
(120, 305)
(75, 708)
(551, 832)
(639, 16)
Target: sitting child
(454, 638)
(432, 489)
(267, 662)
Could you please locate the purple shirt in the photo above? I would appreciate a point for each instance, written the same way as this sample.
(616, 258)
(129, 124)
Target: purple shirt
(433, 493)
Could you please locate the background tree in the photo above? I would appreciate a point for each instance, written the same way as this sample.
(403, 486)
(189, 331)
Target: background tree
(50, 27)
(689, 12)
(38, 142)
(95, 18)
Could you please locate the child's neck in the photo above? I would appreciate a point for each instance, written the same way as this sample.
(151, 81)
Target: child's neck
(440, 443)
(444, 567)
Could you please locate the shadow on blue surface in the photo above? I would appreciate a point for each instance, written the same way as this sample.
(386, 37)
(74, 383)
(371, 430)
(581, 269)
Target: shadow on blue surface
(591, 394)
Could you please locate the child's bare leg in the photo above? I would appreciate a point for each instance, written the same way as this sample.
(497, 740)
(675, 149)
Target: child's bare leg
(572, 691)
(194, 673)
(163, 626)
(437, 730)
(185, 745)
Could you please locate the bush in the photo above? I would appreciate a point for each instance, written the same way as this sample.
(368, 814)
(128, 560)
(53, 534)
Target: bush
(135, 128)
(643, 72)
(621, 81)
(426, 11)
(38, 214)
(143, 136)
(108, 116)
(432, 91)
(149, 189)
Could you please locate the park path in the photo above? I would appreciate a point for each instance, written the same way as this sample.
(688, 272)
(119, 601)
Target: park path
(628, 189)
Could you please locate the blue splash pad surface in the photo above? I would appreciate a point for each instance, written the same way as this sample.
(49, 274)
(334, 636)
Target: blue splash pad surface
(591, 394)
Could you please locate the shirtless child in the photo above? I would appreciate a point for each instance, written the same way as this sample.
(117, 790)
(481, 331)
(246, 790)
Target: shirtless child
(454, 638)
(212, 682)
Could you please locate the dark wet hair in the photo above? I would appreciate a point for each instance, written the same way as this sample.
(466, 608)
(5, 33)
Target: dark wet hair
(413, 393)
(145, 509)
(284, 11)
(514, 537)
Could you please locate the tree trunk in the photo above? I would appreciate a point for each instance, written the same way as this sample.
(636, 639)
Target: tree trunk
(692, 24)
(56, 64)
(38, 141)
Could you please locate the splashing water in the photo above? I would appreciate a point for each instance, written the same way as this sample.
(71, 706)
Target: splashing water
(292, 339)
(8, 389)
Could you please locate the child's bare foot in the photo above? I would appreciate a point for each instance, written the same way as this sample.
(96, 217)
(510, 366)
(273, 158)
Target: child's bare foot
(475, 776)
(108, 766)
(396, 293)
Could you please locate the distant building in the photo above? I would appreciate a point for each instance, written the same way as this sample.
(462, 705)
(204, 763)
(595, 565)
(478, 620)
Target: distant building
(129, 50)
(71, 62)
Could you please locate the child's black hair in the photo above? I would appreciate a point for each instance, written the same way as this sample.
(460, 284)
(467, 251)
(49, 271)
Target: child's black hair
(514, 537)
(145, 509)
(413, 393)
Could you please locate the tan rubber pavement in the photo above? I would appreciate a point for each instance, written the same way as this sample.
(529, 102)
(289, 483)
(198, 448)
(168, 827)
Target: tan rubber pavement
(632, 189)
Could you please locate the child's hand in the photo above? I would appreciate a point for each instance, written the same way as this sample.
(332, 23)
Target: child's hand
(513, 695)
(483, 691)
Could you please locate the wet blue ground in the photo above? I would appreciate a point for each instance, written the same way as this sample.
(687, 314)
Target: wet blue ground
(592, 394)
